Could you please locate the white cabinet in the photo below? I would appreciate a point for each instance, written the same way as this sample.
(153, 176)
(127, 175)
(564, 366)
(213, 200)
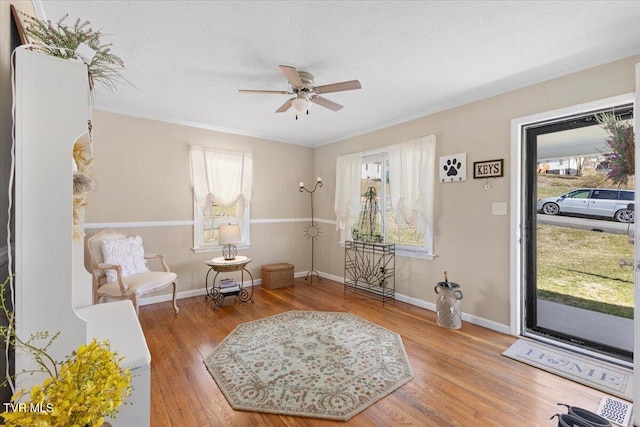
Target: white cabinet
(51, 115)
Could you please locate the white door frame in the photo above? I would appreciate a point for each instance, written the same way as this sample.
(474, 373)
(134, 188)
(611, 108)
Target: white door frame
(636, 310)
(517, 219)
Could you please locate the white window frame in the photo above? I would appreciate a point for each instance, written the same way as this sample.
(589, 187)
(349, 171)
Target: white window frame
(422, 252)
(200, 246)
(409, 251)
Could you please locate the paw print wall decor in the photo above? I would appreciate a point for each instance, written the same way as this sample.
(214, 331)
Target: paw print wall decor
(453, 168)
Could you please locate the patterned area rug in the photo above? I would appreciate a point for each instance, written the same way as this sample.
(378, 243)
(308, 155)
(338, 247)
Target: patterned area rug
(603, 376)
(310, 364)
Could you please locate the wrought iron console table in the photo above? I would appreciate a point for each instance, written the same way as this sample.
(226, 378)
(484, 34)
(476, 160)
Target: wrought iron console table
(370, 267)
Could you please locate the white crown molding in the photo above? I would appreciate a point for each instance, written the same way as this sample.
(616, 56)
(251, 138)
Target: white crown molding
(196, 125)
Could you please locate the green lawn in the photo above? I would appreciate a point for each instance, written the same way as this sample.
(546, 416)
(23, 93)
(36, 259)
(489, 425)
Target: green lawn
(580, 268)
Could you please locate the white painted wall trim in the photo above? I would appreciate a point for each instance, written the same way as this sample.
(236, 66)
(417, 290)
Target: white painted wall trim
(485, 323)
(287, 220)
(199, 292)
(278, 220)
(516, 246)
(141, 224)
(147, 224)
(480, 321)
(489, 324)
(191, 124)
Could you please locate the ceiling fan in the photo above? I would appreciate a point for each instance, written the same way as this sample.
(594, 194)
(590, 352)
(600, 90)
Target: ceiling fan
(302, 86)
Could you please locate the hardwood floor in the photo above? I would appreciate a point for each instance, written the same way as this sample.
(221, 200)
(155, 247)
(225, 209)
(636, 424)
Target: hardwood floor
(461, 378)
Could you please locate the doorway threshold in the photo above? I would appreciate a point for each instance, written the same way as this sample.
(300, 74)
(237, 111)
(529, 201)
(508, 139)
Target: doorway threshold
(611, 331)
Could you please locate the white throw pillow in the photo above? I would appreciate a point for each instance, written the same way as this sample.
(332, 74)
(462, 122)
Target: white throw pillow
(128, 253)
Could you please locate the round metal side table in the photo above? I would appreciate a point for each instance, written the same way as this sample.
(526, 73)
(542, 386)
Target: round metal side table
(221, 265)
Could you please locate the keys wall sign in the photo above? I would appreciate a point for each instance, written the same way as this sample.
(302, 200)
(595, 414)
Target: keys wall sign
(488, 169)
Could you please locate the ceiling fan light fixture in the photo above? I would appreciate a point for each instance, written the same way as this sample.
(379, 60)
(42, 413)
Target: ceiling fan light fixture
(302, 86)
(301, 105)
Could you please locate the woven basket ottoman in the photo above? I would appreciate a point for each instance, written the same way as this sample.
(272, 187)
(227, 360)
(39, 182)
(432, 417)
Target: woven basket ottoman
(276, 276)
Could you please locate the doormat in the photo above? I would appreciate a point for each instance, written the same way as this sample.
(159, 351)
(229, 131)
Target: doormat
(310, 364)
(603, 376)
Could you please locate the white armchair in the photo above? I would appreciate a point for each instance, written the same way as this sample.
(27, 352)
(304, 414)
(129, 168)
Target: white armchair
(119, 268)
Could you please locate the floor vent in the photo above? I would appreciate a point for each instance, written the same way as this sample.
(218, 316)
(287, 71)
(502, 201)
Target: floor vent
(615, 410)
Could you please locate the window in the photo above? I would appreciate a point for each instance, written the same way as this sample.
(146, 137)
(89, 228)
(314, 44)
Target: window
(387, 196)
(222, 182)
(627, 195)
(216, 216)
(579, 194)
(605, 194)
(376, 221)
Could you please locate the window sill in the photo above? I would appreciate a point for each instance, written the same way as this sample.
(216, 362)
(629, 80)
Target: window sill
(415, 254)
(217, 248)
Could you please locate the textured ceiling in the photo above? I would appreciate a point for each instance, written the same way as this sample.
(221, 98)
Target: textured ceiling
(187, 59)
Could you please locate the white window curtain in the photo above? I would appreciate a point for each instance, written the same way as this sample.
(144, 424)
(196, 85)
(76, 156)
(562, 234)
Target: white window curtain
(221, 177)
(411, 181)
(347, 200)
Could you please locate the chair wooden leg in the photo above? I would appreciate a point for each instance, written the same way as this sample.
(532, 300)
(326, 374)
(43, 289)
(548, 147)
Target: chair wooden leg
(175, 306)
(134, 300)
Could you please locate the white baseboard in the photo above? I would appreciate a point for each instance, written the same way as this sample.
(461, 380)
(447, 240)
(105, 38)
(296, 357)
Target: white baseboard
(480, 321)
(186, 294)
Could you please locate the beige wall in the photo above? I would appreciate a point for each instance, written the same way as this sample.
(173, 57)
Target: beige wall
(142, 172)
(471, 243)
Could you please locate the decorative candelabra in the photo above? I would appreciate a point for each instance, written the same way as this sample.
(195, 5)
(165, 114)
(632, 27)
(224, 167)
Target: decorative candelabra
(312, 231)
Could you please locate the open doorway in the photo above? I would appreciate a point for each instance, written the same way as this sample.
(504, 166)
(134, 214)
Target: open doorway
(575, 286)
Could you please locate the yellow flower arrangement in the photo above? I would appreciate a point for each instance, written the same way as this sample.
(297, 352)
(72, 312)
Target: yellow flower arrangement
(86, 388)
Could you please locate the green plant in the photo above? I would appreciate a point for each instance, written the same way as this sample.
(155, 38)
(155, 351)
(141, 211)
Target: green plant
(80, 391)
(105, 67)
(621, 147)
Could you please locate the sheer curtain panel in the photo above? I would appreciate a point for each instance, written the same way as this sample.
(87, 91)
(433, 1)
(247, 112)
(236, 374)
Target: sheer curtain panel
(412, 177)
(348, 192)
(221, 177)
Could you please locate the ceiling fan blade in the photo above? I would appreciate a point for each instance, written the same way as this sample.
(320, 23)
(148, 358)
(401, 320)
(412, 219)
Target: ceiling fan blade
(284, 107)
(292, 75)
(324, 102)
(274, 92)
(338, 87)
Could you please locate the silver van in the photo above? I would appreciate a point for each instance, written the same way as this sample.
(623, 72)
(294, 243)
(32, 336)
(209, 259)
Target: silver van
(601, 202)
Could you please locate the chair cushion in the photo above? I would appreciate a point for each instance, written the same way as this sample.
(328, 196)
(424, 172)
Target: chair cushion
(127, 252)
(139, 283)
